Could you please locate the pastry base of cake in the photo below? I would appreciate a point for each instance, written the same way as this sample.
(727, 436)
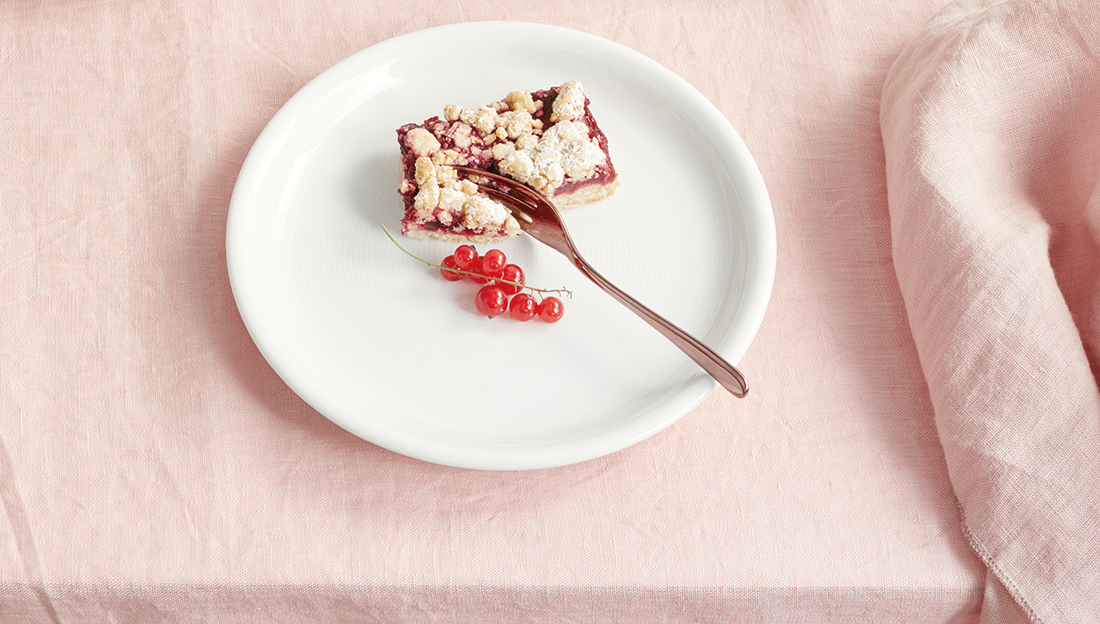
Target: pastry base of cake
(586, 194)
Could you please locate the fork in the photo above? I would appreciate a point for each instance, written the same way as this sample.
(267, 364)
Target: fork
(538, 217)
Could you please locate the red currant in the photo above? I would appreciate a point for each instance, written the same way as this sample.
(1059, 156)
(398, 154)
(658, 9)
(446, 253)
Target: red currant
(475, 268)
(511, 273)
(465, 256)
(493, 261)
(491, 301)
(551, 309)
(502, 285)
(449, 263)
(523, 307)
(490, 270)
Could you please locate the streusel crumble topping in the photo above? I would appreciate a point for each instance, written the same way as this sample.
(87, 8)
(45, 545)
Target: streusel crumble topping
(546, 139)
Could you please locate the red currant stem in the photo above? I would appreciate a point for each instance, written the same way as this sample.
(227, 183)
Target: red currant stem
(563, 291)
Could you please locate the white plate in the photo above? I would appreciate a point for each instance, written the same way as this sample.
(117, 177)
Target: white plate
(387, 349)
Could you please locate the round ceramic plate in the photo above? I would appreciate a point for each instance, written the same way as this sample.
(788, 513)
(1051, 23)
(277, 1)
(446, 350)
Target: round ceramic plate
(383, 346)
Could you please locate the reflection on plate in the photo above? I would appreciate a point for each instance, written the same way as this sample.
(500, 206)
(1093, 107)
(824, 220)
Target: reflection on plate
(384, 347)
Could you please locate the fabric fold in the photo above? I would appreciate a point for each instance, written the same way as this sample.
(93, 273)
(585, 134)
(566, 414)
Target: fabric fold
(991, 128)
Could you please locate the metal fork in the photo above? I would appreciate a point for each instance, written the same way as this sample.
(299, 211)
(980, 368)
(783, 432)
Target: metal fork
(539, 217)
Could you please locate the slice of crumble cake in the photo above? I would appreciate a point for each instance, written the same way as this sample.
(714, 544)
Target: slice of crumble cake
(547, 139)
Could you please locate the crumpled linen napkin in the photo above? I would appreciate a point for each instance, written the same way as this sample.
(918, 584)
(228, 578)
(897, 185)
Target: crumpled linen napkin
(991, 128)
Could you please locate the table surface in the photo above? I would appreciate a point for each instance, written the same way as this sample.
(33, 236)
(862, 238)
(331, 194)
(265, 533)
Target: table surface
(153, 466)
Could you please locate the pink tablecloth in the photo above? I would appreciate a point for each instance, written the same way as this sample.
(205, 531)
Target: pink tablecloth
(154, 468)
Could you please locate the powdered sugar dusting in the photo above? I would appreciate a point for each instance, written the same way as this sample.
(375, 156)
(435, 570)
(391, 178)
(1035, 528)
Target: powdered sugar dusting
(569, 104)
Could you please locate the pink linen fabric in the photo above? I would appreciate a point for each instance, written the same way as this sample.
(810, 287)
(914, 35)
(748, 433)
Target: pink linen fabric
(991, 125)
(153, 468)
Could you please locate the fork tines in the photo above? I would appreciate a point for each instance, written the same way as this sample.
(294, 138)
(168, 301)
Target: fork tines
(505, 190)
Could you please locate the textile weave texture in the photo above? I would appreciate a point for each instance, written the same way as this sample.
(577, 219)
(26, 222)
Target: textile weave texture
(928, 346)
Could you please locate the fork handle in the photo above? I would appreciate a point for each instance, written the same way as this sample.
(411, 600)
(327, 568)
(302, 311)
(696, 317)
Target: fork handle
(722, 371)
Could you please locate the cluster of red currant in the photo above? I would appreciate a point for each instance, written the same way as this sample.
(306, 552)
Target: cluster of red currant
(500, 281)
